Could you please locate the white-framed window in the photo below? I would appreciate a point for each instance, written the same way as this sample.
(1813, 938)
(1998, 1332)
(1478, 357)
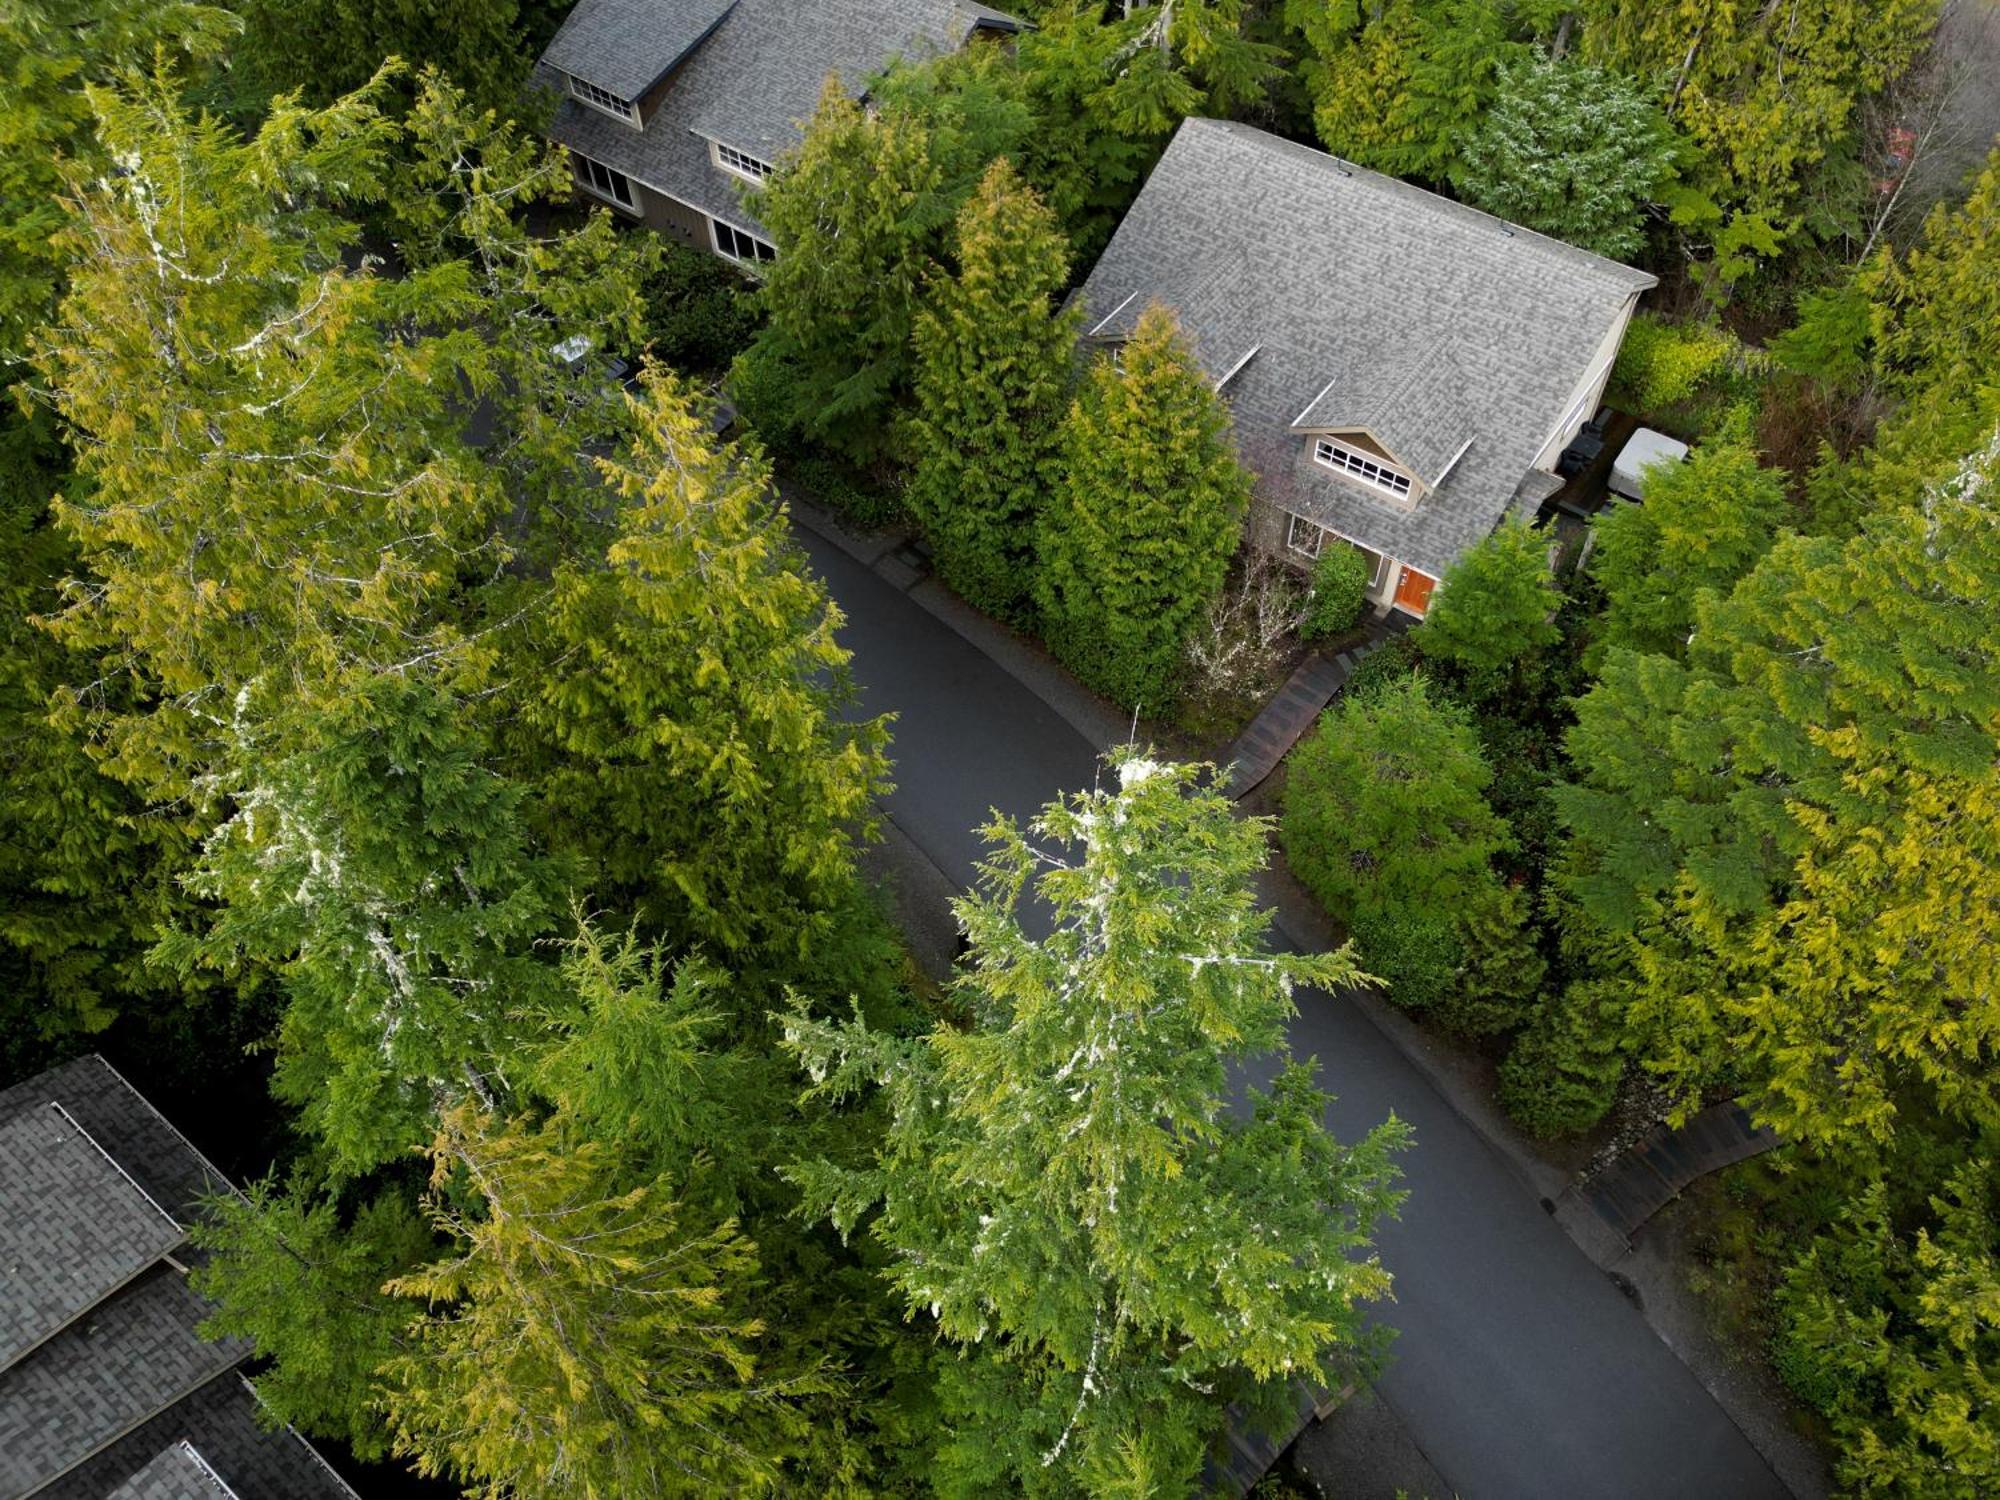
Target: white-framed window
(739, 244)
(1369, 471)
(1304, 537)
(741, 163)
(1118, 358)
(603, 99)
(603, 181)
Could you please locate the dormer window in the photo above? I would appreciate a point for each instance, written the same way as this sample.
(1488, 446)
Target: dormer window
(602, 100)
(1357, 465)
(741, 163)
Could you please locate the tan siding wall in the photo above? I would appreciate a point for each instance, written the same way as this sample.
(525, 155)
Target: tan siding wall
(1596, 375)
(675, 220)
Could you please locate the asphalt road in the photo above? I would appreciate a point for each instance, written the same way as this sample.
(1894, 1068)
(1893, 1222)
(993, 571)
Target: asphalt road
(1518, 1368)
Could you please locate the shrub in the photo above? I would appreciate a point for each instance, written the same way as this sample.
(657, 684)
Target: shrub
(1562, 1076)
(699, 312)
(1339, 592)
(1391, 662)
(1385, 806)
(1662, 364)
(1417, 955)
(1494, 611)
(838, 488)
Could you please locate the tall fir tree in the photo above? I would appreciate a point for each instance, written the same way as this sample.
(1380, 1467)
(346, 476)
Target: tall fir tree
(589, 1337)
(860, 213)
(684, 715)
(1136, 542)
(303, 1281)
(1705, 523)
(993, 366)
(1114, 1253)
(1494, 611)
(1796, 826)
(1573, 151)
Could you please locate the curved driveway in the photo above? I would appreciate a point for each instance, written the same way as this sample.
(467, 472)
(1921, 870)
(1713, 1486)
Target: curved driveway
(1518, 1368)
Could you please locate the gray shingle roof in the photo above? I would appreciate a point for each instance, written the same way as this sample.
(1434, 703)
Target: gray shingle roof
(101, 1369)
(125, 1360)
(627, 46)
(1371, 303)
(221, 1422)
(73, 1227)
(752, 83)
(179, 1473)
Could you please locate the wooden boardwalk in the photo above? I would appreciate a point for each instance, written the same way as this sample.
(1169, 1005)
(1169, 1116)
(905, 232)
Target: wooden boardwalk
(1294, 708)
(1653, 1173)
(1250, 1452)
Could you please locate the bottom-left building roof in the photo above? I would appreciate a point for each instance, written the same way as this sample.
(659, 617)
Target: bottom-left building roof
(106, 1390)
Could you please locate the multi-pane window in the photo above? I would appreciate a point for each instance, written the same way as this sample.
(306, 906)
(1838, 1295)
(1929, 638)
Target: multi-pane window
(604, 99)
(1360, 466)
(604, 182)
(1304, 538)
(741, 164)
(738, 244)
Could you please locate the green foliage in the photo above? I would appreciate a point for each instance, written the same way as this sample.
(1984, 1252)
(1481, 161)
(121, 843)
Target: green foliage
(699, 313)
(589, 1337)
(1762, 95)
(993, 367)
(1136, 542)
(859, 212)
(1799, 823)
(1562, 1075)
(1896, 1340)
(1388, 663)
(303, 1281)
(1493, 613)
(1339, 592)
(1662, 365)
(1398, 86)
(1416, 954)
(51, 51)
(1111, 1252)
(1570, 150)
(377, 865)
(324, 48)
(1385, 809)
(684, 716)
(1705, 522)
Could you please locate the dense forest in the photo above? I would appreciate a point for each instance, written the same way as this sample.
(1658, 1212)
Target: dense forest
(438, 755)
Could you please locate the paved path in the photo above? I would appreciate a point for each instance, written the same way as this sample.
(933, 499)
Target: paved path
(1519, 1369)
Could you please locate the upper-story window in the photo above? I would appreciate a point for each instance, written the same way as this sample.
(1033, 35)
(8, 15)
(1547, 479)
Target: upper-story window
(1369, 471)
(603, 99)
(603, 181)
(739, 244)
(743, 165)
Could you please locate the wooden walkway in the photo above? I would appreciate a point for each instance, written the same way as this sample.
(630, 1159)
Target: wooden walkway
(1250, 1452)
(1652, 1174)
(1294, 708)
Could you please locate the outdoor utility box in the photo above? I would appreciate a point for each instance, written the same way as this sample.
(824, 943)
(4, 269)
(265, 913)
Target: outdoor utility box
(1642, 450)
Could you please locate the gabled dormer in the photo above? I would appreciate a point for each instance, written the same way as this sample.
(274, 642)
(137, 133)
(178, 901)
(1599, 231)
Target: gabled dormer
(1397, 428)
(617, 56)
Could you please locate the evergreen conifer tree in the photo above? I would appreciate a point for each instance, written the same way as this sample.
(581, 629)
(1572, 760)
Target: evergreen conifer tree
(993, 364)
(684, 712)
(1064, 1190)
(1136, 542)
(1705, 522)
(1494, 610)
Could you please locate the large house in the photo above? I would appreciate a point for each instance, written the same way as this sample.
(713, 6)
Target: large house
(672, 109)
(1402, 371)
(106, 1391)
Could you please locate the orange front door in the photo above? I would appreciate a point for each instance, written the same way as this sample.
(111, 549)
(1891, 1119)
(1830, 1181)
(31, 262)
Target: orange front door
(1413, 592)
